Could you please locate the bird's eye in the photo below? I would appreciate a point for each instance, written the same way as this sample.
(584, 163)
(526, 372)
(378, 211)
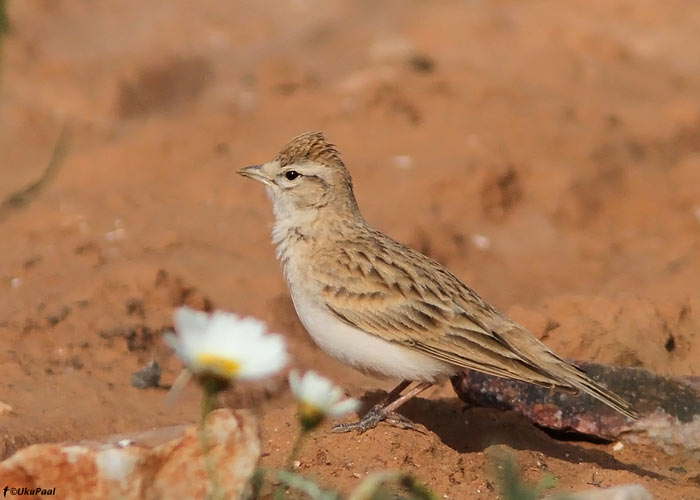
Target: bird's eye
(291, 174)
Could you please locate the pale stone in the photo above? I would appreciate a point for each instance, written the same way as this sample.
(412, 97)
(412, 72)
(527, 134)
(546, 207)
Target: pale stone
(5, 408)
(163, 463)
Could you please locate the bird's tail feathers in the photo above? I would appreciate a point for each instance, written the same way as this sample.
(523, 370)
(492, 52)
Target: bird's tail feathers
(576, 378)
(562, 373)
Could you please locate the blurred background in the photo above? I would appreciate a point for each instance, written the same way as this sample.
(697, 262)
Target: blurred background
(547, 152)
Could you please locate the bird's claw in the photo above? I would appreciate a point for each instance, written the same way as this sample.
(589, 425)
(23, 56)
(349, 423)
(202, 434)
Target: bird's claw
(369, 421)
(398, 420)
(372, 418)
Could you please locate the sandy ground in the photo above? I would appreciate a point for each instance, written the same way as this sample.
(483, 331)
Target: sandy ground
(547, 152)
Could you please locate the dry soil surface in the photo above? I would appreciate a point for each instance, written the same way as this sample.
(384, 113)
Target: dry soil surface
(547, 152)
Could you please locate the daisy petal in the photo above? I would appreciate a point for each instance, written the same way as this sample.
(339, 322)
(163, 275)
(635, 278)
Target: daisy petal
(318, 398)
(226, 346)
(344, 407)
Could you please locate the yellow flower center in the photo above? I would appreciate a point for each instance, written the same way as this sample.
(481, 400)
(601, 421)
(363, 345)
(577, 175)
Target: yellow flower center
(310, 415)
(217, 364)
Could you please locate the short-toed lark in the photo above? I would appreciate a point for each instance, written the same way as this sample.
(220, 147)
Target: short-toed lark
(382, 307)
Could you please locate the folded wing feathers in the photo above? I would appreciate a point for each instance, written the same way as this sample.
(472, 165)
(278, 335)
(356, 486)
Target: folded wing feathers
(447, 320)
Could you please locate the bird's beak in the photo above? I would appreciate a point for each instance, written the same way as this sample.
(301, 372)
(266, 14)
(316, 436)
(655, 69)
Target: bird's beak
(256, 173)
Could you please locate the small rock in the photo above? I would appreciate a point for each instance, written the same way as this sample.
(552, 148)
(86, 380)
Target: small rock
(115, 235)
(138, 338)
(135, 307)
(625, 492)
(391, 49)
(481, 242)
(32, 262)
(403, 161)
(163, 463)
(420, 63)
(147, 377)
(502, 191)
(670, 407)
(58, 316)
(247, 100)
(5, 408)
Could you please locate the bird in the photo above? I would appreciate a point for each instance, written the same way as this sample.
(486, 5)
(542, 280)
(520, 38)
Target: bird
(382, 307)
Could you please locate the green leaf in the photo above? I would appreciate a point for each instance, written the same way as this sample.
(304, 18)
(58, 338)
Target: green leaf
(372, 488)
(307, 486)
(4, 22)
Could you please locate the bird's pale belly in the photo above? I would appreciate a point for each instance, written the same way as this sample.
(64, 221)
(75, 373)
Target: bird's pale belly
(364, 351)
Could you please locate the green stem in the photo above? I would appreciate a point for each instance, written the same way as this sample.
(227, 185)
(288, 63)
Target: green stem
(256, 483)
(208, 403)
(296, 447)
(4, 23)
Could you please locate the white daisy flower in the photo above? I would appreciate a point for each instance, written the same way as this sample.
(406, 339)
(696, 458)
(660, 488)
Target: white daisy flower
(319, 398)
(225, 345)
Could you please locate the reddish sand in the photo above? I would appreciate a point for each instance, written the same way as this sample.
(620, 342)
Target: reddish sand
(547, 152)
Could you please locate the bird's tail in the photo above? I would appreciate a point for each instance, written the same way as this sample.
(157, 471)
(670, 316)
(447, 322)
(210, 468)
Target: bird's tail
(577, 379)
(561, 373)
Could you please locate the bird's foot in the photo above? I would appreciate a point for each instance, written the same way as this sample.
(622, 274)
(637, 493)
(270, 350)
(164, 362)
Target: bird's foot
(372, 418)
(369, 421)
(398, 420)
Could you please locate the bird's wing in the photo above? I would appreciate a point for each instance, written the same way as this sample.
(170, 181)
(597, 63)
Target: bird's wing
(402, 296)
(398, 294)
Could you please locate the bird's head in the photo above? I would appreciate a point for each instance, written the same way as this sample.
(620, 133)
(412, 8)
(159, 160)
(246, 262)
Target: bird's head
(306, 176)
